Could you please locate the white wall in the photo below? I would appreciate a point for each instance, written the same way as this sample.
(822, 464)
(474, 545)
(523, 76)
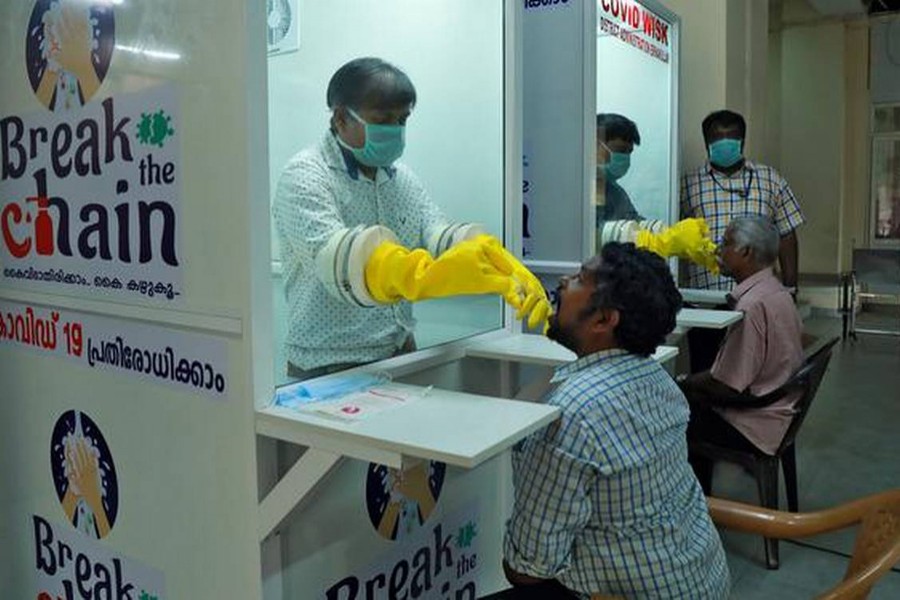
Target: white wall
(723, 65)
(812, 136)
(857, 147)
(819, 112)
(703, 61)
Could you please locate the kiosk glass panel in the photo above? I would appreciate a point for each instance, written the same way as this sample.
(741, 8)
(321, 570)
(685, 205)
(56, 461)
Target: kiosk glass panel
(634, 80)
(453, 52)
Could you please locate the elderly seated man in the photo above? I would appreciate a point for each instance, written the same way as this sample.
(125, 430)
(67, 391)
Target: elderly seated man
(605, 501)
(758, 354)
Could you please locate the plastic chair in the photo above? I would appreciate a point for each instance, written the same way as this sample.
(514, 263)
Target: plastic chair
(763, 466)
(875, 552)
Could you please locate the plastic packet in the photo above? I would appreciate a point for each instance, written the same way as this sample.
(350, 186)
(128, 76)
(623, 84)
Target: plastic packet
(327, 388)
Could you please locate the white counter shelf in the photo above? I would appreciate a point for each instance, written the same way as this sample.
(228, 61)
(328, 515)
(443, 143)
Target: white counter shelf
(453, 427)
(698, 296)
(457, 428)
(538, 349)
(707, 318)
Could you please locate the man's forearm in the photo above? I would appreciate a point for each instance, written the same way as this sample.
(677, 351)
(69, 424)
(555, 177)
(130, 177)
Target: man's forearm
(703, 388)
(787, 259)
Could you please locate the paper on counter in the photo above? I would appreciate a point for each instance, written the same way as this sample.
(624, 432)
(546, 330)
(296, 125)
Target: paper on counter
(360, 405)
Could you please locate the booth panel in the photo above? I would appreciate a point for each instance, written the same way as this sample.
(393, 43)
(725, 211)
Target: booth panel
(585, 62)
(554, 135)
(126, 419)
(352, 543)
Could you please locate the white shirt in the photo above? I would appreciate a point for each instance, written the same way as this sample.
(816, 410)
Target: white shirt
(320, 192)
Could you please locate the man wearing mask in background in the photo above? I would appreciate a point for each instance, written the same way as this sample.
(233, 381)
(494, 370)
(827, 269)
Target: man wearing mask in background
(616, 138)
(730, 185)
(727, 186)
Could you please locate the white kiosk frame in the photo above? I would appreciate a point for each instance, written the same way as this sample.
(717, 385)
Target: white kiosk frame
(377, 440)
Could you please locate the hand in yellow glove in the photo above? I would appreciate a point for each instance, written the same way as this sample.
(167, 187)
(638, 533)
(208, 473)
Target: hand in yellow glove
(396, 273)
(536, 304)
(687, 239)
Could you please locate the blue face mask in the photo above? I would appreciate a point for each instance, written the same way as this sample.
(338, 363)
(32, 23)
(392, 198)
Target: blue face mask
(725, 152)
(384, 143)
(617, 166)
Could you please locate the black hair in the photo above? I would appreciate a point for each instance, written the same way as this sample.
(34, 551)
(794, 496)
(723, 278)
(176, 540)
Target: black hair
(611, 126)
(370, 82)
(724, 118)
(638, 284)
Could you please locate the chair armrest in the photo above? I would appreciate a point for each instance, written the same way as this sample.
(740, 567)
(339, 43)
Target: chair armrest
(864, 579)
(779, 524)
(742, 400)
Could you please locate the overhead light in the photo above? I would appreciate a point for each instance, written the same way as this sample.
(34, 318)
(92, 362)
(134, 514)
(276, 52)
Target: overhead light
(158, 54)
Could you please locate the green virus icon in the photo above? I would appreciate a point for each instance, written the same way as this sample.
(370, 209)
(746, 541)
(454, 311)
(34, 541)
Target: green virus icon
(146, 596)
(466, 535)
(153, 129)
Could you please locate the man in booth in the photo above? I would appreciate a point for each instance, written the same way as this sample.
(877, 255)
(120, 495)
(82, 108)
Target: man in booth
(360, 238)
(605, 501)
(616, 138)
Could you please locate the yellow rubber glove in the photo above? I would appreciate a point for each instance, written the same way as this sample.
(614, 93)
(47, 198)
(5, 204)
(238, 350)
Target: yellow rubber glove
(687, 239)
(536, 304)
(396, 273)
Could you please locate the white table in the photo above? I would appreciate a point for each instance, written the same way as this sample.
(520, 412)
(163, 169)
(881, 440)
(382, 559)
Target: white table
(697, 296)
(708, 318)
(453, 427)
(539, 350)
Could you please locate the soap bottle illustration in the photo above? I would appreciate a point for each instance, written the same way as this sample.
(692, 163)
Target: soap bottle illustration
(43, 226)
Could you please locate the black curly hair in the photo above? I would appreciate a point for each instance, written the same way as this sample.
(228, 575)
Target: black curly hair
(639, 285)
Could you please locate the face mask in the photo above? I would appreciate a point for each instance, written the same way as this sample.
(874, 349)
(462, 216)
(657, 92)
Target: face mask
(616, 167)
(384, 143)
(725, 152)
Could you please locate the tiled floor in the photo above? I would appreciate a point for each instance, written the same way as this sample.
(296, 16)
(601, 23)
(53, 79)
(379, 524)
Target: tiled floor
(848, 447)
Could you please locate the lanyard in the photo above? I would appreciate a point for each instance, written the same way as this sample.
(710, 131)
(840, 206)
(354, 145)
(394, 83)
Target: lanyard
(745, 193)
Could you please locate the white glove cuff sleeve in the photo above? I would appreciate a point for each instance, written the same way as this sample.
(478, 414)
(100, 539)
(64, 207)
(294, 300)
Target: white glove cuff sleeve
(442, 237)
(618, 231)
(341, 263)
(626, 231)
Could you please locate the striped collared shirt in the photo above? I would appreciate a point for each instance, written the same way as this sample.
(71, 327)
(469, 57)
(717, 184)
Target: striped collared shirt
(754, 189)
(605, 501)
(320, 192)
